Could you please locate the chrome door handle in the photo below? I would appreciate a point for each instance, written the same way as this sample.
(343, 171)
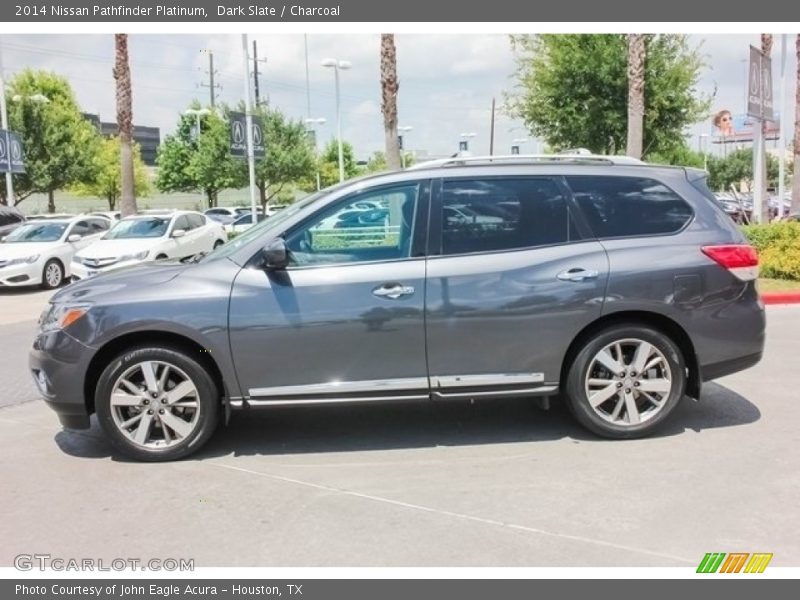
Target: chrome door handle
(577, 274)
(393, 291)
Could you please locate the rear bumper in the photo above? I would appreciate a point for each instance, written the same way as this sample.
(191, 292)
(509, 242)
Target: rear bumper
(58, 364)
(728, 367)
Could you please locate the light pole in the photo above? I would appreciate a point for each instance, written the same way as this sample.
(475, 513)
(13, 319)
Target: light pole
(338, 65)
(403, 130)
(311, 122)
(466, 136)
(197, 113)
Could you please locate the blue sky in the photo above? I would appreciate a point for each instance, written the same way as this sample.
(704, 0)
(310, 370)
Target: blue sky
(446, 81)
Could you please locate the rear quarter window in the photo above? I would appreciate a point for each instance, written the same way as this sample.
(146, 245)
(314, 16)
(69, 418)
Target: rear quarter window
(629, 206)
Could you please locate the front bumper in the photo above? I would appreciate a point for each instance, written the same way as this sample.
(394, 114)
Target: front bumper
(58, 364)
(21, 275)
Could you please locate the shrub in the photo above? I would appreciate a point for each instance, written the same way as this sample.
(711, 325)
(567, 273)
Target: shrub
(778, 246)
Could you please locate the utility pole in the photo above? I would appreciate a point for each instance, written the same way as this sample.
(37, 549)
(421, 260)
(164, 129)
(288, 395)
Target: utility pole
(308, 81)
(251, 164)
(255, 73)
(491, 133)
(212, 87)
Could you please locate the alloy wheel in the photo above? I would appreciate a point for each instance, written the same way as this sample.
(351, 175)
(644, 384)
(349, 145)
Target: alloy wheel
(628, 382)
(155, 404)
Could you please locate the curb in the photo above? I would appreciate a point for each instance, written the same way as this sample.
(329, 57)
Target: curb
(781, 298)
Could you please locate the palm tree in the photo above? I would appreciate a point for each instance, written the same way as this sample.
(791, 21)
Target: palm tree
(796, 143)
(122, 75)
(637, 53)
(389, 87)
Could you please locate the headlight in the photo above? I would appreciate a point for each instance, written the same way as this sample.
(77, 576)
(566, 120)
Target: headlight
(138, 256)
(27, 260)
(60, 316)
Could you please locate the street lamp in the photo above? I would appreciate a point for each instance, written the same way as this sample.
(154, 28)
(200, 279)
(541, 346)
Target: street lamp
(312, 130)
(466, 136)
(197, 113)
(403, 130)
(338, 65)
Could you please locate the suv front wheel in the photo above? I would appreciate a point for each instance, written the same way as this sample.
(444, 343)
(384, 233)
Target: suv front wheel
(626, 381)
(157, 404)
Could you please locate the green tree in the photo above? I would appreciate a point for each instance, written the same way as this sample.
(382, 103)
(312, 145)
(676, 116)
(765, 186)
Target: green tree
(329, 163)
(190, 162)
(736, 168)
(289, 158)
(572, 90)
(107, 177)
(58, 142)
(678, 155)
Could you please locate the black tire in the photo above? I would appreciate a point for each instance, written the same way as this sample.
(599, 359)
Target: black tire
(208, 400)
(161, 257)
(575, 389)
(52, 264)
(218, 243)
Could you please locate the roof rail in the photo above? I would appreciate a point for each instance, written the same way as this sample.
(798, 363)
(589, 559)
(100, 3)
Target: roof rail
(522, 159)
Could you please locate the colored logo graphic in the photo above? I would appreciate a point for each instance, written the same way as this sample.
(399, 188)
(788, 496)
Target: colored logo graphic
(734, 562)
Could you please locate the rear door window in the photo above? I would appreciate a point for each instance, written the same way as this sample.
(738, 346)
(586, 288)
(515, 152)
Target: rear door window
(629, 206)
(496, 214)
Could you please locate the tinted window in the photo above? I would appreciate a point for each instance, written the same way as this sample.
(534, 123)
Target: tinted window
(80, 228)
(344, 233)
(196, 221)
(98, 225)
(181, 223)
(9, 218)
(627, 206)
(484, 215)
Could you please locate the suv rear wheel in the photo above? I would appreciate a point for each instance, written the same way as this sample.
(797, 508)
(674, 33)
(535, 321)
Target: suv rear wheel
(626, 381)
(156, 404)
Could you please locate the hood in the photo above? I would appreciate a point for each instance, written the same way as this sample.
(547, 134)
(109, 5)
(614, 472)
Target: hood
(22, 249)
(120, 281)
(117, 248)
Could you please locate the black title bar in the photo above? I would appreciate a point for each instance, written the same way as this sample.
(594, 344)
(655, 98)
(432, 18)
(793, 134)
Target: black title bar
(321, 11)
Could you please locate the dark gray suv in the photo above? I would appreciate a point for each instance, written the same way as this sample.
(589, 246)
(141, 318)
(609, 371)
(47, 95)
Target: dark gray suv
(617, 285)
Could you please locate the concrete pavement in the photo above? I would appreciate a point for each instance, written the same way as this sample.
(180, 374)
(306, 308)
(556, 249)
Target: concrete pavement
(495, 484)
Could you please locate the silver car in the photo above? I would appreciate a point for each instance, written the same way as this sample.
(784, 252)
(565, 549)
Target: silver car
(616, 286)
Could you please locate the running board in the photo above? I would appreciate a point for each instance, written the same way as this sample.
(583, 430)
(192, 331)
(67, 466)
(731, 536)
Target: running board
(541, 390)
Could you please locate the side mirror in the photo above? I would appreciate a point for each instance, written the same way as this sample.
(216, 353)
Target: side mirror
(74, 238)
(275, 256)
(179, 233)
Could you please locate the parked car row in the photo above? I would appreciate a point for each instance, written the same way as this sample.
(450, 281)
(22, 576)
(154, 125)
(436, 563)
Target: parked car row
(45, 252)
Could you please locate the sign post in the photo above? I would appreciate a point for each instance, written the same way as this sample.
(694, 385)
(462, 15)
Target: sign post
(760, 107)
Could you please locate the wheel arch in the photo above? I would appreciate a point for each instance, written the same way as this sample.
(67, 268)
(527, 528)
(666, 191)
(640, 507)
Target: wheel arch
(657, 321)
(165, 339)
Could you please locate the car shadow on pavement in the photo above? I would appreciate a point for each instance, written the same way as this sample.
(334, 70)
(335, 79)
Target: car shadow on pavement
(354, 428)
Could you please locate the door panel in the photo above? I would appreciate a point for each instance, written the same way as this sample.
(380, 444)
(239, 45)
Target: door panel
(509, 313)
(514, 282)
(325, 327)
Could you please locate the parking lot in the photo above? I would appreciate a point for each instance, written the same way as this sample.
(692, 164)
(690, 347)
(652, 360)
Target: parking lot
(494, 484)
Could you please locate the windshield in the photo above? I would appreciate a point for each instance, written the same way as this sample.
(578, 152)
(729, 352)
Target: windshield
(40, 232)
(151, 227)
(274, 222)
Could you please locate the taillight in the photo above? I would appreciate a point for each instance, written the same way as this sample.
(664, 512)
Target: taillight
(739, 259)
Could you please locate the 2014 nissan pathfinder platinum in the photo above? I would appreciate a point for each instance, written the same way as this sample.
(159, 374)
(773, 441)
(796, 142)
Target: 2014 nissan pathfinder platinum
(616, 285)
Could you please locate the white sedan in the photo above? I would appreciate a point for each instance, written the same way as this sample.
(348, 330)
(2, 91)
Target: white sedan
(243, 223)
(148, 237)
(41, 252)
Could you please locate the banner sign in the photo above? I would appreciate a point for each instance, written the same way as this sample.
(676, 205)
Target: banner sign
(239, 136)
(12, 159)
